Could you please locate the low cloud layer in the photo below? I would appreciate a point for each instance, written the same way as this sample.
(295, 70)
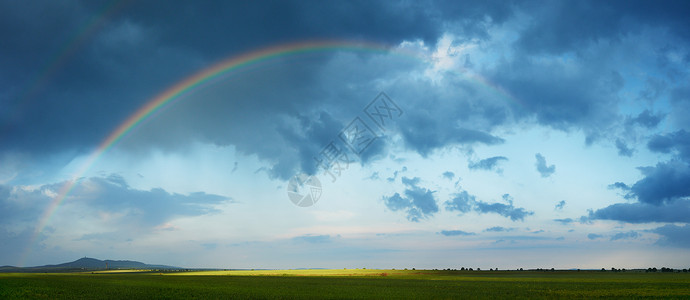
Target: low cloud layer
(644, 212)
(673, 235)
(456, 233)
(116, 211)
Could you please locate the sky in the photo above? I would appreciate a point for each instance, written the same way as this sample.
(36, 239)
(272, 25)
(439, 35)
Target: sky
(346, 134)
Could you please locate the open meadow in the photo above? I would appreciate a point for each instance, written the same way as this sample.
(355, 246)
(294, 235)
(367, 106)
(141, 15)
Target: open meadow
(349, 284)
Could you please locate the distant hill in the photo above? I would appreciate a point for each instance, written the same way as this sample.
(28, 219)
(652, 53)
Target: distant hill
(87, 263)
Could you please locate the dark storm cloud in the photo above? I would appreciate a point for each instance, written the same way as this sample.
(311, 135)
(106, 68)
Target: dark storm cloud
(673, 235)
(132, 56)
(67, 75)
(647, 119)
(542, 168)
(285, 125)
(567, 25)
(663, 193)
(663, 183)
(653, 89)
(109, 64)
(311, 137)
(680, 99)
(456, 233)
(232, 113)
(553, 93)
(267, 22)
(257, 23)
(284, 115)
(141, 48)
(487, 163)
(418, 202)
(425, 134)
(678, 142)
(435, 119)
(676, 211)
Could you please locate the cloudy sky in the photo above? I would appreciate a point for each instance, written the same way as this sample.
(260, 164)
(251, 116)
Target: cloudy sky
(441, 133)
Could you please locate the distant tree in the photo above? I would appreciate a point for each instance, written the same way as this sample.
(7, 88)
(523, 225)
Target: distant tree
(520, 269)
(603, 269)
(412, 269)
(462, 269)
(478, 269)
(552, 270)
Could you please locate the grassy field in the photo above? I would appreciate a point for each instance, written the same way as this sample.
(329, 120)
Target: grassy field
(350, 284)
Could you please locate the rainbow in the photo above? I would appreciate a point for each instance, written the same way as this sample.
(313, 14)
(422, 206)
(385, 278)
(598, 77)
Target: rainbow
(199, 80)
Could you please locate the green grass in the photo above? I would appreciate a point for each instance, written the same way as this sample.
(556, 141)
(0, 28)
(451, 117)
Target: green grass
(349, 284)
